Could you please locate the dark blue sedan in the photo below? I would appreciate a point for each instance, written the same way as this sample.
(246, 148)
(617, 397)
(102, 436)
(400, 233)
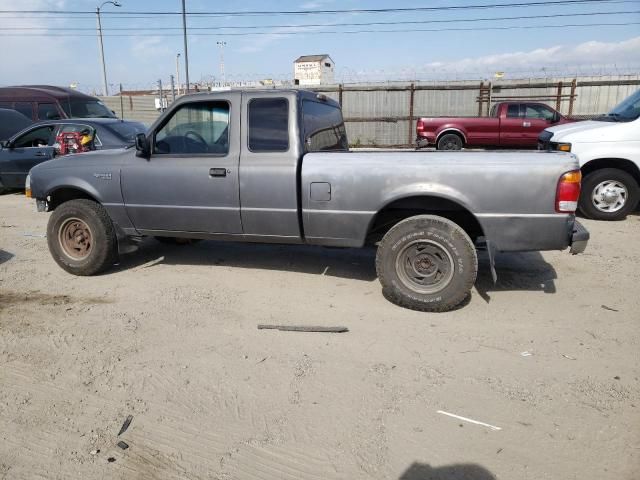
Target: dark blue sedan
(43, 141)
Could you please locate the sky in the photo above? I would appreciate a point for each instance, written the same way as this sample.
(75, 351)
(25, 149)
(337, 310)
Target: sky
(140, 49)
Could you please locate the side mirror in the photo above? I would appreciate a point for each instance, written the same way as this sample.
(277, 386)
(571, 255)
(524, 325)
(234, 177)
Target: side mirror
(142, 146)
(6, 144)
(555, 118)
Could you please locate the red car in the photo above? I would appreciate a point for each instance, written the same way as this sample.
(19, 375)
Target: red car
(510, 124)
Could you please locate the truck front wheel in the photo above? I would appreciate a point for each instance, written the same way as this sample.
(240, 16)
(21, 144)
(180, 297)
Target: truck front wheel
(81, 237)
(608, 194)
(426, 263)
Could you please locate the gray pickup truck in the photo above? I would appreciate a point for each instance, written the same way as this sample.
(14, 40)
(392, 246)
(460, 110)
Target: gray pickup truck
(274, 166)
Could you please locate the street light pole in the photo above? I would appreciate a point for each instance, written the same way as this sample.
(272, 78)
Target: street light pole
(222, 44)
(186, 52)
(105, 90)
(178, 71)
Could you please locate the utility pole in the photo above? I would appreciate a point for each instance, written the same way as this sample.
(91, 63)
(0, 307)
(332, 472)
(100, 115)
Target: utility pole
(173, 90)
(161, 99)
(178, 71)
(186, 51)
(105, 90)
(222, 44)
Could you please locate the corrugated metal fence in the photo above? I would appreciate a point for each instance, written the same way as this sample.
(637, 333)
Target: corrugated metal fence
(385, 114)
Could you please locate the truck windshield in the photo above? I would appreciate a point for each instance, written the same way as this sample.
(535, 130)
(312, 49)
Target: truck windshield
(86, 109)
(323, 127)
(626, 111)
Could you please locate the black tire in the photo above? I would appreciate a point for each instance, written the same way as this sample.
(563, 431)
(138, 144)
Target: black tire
(445, 257)
(177, 240)
(81, 237)
(619, 186)
(450, 141)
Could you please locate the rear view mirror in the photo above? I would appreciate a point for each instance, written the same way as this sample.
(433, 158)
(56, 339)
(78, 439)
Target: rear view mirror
(142, 146)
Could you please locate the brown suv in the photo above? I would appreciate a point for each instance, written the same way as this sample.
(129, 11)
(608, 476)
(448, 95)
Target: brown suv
(45, 102)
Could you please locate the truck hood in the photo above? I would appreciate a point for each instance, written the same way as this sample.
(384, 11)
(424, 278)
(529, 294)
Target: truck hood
(588, 131)
(99, 157)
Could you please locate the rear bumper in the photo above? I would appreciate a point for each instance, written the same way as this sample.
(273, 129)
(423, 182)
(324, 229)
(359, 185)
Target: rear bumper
(579, 238)
(422, 142)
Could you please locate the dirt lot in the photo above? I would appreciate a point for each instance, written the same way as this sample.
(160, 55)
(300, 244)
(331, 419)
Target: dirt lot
(169, 336)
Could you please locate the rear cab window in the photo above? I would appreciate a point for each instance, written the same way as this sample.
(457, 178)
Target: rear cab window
(324, 128)
(268, 125)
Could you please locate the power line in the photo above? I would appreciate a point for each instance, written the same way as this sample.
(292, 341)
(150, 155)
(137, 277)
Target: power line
(420, 22)
(324, 32)
(325, 12)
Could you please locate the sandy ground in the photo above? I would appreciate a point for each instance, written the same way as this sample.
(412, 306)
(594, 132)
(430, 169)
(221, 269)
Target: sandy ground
(169, 336)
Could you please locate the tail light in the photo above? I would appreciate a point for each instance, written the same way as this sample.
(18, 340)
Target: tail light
(420, 126)
(568, 192)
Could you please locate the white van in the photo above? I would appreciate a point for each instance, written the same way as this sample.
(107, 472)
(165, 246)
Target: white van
(608, 148)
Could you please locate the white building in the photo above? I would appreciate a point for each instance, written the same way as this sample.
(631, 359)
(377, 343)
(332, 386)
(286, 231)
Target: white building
(313, 70)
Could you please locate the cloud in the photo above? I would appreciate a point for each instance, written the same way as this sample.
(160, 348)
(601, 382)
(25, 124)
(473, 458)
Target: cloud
(150, 47)
(587, 55)
(29, 59)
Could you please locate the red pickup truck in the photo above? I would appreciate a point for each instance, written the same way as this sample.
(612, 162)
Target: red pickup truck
(510, 124)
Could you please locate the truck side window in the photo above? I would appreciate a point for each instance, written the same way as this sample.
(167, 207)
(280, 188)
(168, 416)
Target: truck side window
(513, 110)
(38, 137)
(47, 111)
(24, 108)
(538, 111)
(323, 127)
(269, 125)
(201, 127)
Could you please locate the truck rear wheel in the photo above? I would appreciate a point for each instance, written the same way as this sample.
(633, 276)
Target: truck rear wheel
(608, 194)
(426, 263)
(81, 237)
(450, 141)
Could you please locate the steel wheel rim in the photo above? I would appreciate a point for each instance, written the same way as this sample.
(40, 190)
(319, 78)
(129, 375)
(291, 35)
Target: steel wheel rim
(75, 239)
(450, 144)
(425, 266)
(609, 196)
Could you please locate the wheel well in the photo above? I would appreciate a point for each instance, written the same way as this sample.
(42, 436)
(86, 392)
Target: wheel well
(619, 163)
(454, 131)
(62, 195)
(403, 208)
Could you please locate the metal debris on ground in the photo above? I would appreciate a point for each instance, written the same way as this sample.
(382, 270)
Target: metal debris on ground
(111, 459)
(526, 354)
(302, 328)
(609, 308)
(492, 427)
(122, 445)
(569, 357)
(95, 452)
(125, 425)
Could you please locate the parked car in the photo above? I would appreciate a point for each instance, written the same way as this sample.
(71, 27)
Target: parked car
(11, 122)
(273, 166)
(46, 102)
(510, 124)
(45, 140)
(608, 149)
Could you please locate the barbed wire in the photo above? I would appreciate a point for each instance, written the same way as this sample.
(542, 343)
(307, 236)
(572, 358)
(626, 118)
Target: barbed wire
(383, 76)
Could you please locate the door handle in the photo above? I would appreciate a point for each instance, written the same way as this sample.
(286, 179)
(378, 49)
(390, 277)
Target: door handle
(526, 124)
(217, 172)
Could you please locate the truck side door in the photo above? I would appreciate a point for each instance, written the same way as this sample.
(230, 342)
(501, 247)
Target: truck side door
(269, 166)
(190, 181)
(511, 125)
(536, 118)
